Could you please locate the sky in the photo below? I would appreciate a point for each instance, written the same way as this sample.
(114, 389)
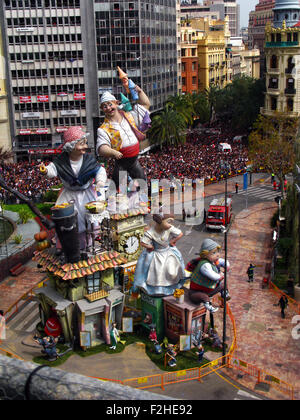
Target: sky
(246, 6)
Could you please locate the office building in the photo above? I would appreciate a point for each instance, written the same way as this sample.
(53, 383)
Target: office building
(5, 137)
(225, 8)
(62, 54)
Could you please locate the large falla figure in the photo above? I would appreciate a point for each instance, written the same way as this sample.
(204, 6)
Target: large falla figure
(83, 178)
(160, 267)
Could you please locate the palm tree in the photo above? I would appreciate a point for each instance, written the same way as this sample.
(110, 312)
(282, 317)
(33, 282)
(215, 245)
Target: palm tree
(200, 106)
(168, 128)
(212, 95)
(182, 105)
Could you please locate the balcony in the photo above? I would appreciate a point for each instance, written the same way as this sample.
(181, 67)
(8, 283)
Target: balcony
(290, 91)
(273, 90)
(282, 44)
(273, 70)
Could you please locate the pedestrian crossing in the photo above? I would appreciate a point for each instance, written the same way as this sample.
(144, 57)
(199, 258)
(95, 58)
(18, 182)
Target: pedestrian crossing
(26, 318)
(264, 193)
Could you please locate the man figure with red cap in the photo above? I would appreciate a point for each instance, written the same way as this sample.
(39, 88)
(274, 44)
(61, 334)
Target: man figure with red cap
(119, 137)
(78, 171)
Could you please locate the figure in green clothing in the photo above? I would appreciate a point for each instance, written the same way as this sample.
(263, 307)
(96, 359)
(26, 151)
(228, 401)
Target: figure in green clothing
(250, 272)
(114, 336)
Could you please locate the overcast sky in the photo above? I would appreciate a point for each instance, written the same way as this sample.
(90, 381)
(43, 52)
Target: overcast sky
(246, 6)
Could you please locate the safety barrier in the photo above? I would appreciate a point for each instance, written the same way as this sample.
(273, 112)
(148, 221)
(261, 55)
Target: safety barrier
(14, 308)
(10, 354)
(168, 378)
(295, 305)
(261, 376)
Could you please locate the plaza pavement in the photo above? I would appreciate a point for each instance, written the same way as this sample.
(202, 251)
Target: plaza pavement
(264, 339)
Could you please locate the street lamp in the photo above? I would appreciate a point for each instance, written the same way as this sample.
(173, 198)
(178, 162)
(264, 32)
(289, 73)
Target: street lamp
(226, 167)
(298, 191)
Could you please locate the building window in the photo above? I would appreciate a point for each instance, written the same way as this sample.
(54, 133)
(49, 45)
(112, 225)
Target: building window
(290, 105)
(273, 83)
(273, 63)
(273, 103)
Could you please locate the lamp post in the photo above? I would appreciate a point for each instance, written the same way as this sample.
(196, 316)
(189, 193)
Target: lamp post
(298, 193)
(226, 168)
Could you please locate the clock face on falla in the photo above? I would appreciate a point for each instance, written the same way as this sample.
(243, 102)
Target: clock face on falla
(132, 245)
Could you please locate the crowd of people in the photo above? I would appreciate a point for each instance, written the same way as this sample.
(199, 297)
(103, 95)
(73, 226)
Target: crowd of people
(24, 177)
(199, 158)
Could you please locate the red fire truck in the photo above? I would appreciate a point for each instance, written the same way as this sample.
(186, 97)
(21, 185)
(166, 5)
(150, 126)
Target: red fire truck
(215, 218)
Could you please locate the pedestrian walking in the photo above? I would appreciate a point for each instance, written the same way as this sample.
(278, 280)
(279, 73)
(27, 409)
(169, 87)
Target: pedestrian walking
(274, 185)
(272, 178)
(236, 188)
(2, 326)
(283, 303)
(250, 272)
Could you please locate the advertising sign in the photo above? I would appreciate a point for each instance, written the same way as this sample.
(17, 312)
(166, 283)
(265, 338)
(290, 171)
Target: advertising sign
(42, 98)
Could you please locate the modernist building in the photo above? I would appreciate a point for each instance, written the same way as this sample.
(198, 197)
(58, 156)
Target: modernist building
(62, 54)
(282, 50)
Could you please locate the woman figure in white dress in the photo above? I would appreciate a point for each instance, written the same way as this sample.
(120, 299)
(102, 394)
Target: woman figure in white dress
(83, 178)
(160, 267)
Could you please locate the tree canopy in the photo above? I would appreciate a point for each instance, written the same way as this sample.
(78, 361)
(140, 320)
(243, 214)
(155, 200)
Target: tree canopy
(238, 104)
(272, 144)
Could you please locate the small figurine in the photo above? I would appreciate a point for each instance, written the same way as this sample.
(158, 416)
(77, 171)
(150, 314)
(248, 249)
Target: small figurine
(216, 342)
(160, 267)
(152, 335)
(49, 346)
(206, 279)
(200, 353)
(153, 338)
(114, 336)
(171, 353)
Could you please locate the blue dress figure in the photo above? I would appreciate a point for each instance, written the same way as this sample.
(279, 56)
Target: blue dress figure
(160, 267)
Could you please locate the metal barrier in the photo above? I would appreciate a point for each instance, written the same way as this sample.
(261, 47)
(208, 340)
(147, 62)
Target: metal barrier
(14, 308)
(9, 354)
(262, 376)
(294, 304)
(167, 378)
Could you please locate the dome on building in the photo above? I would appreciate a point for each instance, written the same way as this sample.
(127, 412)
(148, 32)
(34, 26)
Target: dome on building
(286, 10)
